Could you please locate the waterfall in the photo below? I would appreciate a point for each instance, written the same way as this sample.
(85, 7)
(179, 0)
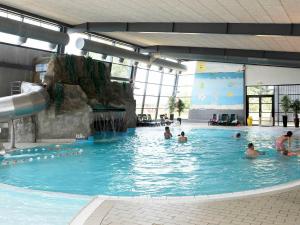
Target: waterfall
(110, 121)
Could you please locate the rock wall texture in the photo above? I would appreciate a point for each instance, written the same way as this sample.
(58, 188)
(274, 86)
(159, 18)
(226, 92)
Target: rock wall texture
(72, 118)
(77, 86)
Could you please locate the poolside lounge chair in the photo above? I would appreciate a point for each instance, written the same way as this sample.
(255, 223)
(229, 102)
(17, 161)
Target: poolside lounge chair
(233, 120)
(214, 120)
(145, 120)
(224, 120)
(139, 120)
(151, 122)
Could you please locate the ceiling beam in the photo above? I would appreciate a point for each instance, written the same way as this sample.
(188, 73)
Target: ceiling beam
(256, 57)
(192, 28)
(171, 50)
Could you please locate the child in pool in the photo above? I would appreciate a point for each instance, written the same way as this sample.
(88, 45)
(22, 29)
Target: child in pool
(251, 152)
(167, 133)
(182, 138)
(280, 141)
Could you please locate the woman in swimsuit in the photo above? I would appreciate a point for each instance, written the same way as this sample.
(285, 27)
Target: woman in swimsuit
(282, 139)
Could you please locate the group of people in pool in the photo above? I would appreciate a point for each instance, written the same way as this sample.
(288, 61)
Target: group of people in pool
(251, 152)
(279, 145)
(181, 137)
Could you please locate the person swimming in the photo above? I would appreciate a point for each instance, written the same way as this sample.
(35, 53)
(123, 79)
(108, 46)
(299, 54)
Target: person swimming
(167, 133)
(251, 152)
(280, 141)
(182, 138)
(237, 135)
(289, 153)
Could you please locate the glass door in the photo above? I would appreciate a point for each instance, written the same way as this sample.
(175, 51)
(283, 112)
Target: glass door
(266, 111)
(253, 109)
(261, 109)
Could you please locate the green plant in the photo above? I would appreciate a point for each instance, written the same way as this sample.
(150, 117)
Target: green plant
(58, 95)
(172, 104)
(71, 68)
(124, 86)
(99, 78)
(89, 67)
(295, 106)
(285, 104)
(180, 106)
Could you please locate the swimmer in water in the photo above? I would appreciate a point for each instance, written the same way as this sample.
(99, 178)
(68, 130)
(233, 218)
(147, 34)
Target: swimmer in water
(289, 153)
(237, 135)
(182, 138)
(167, 133)
(251, 152)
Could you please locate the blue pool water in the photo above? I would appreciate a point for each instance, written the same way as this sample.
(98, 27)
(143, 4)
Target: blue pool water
(142, 163)
(26, 207)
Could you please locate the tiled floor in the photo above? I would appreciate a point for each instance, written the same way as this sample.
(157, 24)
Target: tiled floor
(275, 209)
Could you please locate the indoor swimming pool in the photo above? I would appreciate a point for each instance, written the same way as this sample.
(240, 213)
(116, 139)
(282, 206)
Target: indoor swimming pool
(142, 163)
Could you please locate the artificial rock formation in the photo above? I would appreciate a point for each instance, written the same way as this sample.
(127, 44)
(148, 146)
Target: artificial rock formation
(77, 87)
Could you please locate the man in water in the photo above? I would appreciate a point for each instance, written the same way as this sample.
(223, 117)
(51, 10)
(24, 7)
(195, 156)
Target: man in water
(182, 138)
(167, 133)
(251, 152)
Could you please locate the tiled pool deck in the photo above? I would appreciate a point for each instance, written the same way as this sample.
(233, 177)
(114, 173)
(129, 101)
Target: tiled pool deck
(269, 209)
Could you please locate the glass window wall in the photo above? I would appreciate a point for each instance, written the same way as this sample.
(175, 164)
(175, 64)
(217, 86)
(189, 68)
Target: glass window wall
(31, 43)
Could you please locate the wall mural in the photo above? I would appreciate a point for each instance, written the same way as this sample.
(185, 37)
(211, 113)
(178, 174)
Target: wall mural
(218, 86)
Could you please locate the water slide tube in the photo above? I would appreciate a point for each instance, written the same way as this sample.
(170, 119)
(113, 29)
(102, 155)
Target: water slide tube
(33, 99)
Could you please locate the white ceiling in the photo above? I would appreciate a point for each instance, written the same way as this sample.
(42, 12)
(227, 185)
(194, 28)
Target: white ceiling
(235, 11)
(270, 43)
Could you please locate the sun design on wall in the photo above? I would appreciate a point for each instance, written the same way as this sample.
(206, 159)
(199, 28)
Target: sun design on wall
(229, 94)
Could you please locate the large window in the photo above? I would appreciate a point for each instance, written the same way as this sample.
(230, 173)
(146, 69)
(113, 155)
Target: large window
(121, 69)
(29, 42)
(185, 88)
(152, 90)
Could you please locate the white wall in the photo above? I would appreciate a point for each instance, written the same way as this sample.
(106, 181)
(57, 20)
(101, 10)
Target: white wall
(269, 75)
